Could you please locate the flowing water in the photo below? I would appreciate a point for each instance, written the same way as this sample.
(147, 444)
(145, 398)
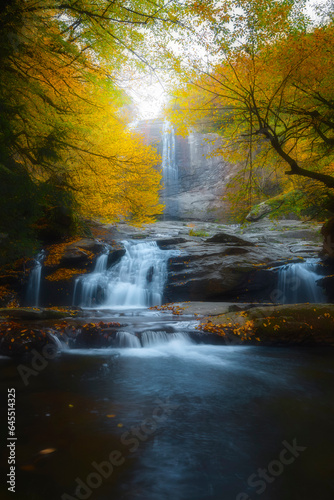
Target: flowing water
(34, 283)
(158, 416)
(297, 283)
(183, 421)
(170, 171)
(137, 280)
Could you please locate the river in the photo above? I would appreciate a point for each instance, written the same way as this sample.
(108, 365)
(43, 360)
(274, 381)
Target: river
(174, 420)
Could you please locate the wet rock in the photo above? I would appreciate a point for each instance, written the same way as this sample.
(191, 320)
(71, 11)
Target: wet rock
(327, 232)
(170, 242)
(80, 253)
(229, 238)
(238, 263)
(290, 324)
(211, 272)
(23, 341)
(30, 313)
(115, 255)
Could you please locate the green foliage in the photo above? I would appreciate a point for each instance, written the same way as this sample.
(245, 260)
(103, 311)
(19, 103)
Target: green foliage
(31, 213)
(199, 233)
(268, 90)
(65, 149)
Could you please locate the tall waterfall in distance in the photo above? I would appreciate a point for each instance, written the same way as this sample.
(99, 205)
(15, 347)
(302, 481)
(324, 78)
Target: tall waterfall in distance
(169, 171)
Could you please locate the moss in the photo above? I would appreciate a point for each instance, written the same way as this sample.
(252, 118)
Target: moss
(198, 233)
(287, 324)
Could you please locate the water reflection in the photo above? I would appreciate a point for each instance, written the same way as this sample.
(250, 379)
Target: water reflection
(227, 412)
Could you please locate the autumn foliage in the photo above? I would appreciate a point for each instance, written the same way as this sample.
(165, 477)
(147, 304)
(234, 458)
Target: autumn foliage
(267, 88)
(66, 149)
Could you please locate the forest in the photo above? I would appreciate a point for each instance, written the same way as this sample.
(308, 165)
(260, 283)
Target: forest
(166, 249)
(67, 151)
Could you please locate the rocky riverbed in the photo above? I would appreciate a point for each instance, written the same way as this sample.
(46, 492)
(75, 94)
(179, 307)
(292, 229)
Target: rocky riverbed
(229, 262)
(213, 261)
(221, 278)
(24, 332)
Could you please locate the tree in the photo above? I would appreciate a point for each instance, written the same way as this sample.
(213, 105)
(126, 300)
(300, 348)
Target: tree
(268, 88)
(62, 118)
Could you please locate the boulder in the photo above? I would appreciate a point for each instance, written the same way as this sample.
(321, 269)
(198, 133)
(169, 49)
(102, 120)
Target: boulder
(327, 232)
(288, 325)
(237, 264)
(205, 271)
(229, 239)
(282, 205)
(169, 242)
(259, 211)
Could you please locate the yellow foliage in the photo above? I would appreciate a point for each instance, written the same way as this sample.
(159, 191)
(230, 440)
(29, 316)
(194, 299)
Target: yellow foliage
(56, 251)
(64, 274)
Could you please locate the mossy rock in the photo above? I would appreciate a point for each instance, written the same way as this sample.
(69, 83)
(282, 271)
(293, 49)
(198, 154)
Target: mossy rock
(290, 324)
(282, 204)
(35, 313)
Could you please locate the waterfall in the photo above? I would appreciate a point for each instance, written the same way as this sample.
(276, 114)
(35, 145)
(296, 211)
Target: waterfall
(297, 283)
(126, 339)
(151, 338)
(34, 283)
(137, 280)
(61, 346)
(169, 171)
(92, 285)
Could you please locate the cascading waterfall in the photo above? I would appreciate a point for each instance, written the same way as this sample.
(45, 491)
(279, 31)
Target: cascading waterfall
(169, 171)
(34, 283)
(137, 280)
(126, 339)
(297, 283)
(151, 338)
(92, 285)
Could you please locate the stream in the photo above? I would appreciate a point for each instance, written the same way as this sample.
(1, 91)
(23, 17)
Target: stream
(186, 421)
(167, 418)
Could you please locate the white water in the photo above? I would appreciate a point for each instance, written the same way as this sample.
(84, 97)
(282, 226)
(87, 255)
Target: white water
(92, 284)
(151, 338)
(169, 170)
(34, 283)
(126, 339)
(297, 283)
(61, 346)
(137, 280)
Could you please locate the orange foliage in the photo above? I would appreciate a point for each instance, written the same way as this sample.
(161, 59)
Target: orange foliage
(64, 274)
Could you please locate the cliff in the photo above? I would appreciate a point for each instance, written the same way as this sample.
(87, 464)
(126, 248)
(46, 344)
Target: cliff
(202, 179)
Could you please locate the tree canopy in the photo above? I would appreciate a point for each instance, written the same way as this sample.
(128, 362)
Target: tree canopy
(258, 71)
(64, 114)
(268, 89)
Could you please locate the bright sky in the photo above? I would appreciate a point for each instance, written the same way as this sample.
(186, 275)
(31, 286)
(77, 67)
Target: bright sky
(149, 94)
(149, 97)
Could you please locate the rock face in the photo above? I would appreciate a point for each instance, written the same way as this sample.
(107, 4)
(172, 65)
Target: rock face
(231, 262)
(202, 179)
(212, 262)
(285, 325)
(328, 233)
(77, 258)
